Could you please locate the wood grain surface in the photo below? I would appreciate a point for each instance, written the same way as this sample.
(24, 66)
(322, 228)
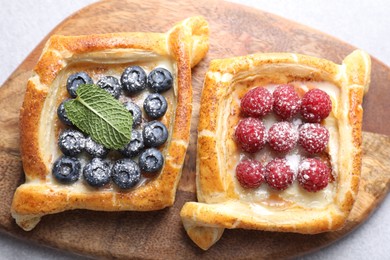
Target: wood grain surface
(235, 30)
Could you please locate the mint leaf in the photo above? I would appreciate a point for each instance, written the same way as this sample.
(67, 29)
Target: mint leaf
(95, 112)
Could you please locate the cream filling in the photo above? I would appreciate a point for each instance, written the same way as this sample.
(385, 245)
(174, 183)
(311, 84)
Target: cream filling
(48, 137)
(295, 193)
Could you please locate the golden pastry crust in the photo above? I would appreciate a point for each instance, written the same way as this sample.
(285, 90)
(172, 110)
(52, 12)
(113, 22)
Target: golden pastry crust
(182, 47)
(221, 203)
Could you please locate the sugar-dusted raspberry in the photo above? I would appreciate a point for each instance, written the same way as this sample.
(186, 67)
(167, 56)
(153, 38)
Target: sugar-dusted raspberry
(257, 102)
(313, 137)
(282, 137)
(313, 174)
(316, 105)
(279, 174)
(251, 134)
(250, 173)
(286, 101)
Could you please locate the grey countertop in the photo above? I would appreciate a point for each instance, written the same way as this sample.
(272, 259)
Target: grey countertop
(362, 23)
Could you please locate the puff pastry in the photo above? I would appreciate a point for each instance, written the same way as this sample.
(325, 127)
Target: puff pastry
(181, 48)
(222, 202)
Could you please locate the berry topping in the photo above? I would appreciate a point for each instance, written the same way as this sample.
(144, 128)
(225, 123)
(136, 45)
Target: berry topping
(250, 174)
(97, 173)
(75, 80)
(155, 106)
(135, 111)
(257, 102)
(286, 101)
(133, 79)
(95, 149)
(111, 85)
(155, 134)
(135, 146)
(66, 169)
(282, 137)
(316, 105)
(313, 174)
(160, 80)
(71, 142)
(313, 137)
(62, 113)
(125, 173)
(251, 134)
(151, 160)
(279, 174)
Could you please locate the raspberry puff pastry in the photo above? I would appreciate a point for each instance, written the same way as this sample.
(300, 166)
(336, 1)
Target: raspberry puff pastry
(305, 183)
(91, 58)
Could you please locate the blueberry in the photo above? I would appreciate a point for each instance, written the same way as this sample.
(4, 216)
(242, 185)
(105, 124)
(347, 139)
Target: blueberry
(97, 172)
(155, 106)
(111, 85)
(71, 142)
(135, 111)
(95, 149)
(75, 80)
(155, 134)
(62, 113)
(133, 79)
(135, 146)
(160, 80)
(126, 173)
(151, 160)
(66, 169)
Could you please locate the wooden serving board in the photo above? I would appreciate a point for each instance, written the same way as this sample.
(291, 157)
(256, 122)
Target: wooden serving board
(235, 30)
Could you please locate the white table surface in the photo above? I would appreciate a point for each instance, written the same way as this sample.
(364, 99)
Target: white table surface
(362, 23)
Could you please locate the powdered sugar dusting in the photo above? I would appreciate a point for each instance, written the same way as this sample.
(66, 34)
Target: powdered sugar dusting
(293, 157)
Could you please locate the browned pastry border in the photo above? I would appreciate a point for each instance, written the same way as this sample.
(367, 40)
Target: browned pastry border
(186, 44)
(218, 207)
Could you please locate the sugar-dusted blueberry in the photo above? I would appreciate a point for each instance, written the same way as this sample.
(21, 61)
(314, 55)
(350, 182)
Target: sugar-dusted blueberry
(155, 105)
(62, 113)
(97, 172)
(155, 134)
(125, 173)
(111, 85)
(151, 160)
(135, 111)
(71, 142)
(95, 149)
(135, 146)
(75, 80)
(133, 79)
(160, 80)
(66, 169)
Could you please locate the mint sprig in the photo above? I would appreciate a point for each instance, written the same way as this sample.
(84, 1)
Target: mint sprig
(95, 112)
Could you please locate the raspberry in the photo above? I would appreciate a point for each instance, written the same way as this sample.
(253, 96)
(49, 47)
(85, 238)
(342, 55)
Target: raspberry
(313, 137)
(251, 134)
(313, 174)
(257, 102)
(282, 137)
(250, 173)
(316, 105)
(278, 174)
(286, 101)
